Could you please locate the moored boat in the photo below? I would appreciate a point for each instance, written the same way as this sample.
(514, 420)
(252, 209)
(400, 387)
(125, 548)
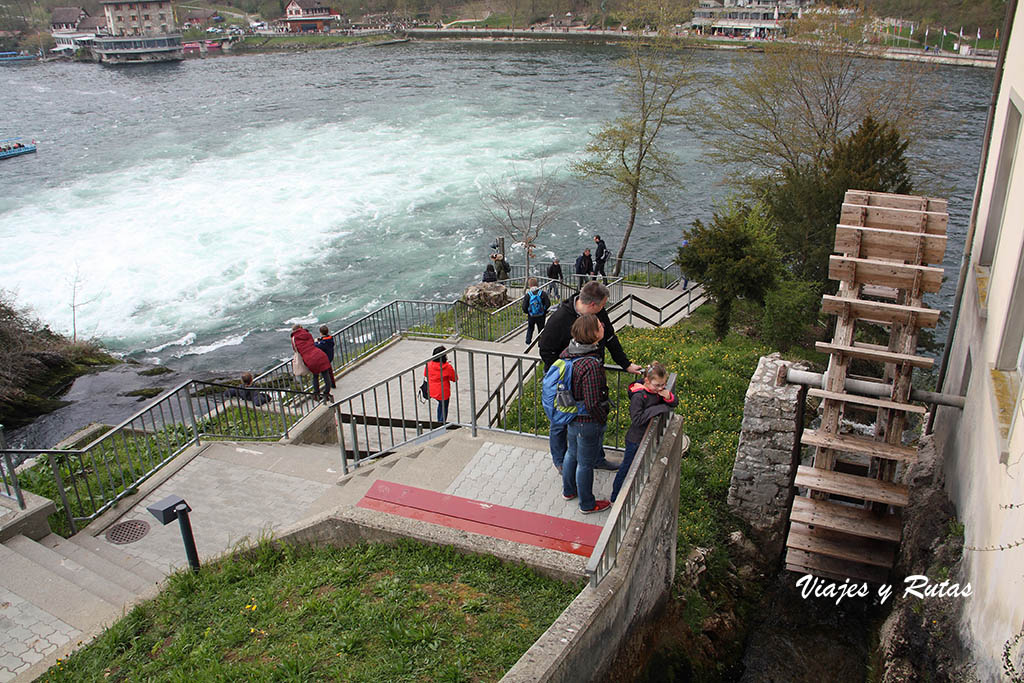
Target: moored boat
(17, 57)
(13, 147)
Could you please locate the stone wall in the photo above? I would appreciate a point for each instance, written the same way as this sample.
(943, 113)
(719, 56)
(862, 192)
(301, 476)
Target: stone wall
(767, 455)
(585, 641)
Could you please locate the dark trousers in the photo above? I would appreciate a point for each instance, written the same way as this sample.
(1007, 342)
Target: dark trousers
(442, 410)
(531, 322)
(329, 384)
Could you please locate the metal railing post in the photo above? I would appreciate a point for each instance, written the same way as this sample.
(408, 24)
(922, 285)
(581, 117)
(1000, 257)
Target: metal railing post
(9, 464)
(472, 394)
(284, 415)
(192, 412)
(63, 494)
(341, 438)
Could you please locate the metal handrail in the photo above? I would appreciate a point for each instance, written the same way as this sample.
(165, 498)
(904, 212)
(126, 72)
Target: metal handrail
(9, 476)
(602, 560)
(650, 271)
(91, 479)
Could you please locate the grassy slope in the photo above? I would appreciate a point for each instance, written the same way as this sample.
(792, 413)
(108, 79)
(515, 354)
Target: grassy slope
(365, 613)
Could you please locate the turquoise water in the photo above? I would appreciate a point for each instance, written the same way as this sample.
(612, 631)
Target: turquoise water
(204, 207)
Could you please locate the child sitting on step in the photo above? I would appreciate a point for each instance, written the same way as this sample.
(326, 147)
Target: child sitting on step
(647, 400)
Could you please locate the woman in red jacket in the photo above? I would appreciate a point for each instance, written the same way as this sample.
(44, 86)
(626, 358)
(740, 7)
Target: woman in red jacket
(315, 359)
(440, 374)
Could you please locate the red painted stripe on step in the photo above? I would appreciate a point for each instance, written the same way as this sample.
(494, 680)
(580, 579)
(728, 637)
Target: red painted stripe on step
(486, 513)
(476, 527)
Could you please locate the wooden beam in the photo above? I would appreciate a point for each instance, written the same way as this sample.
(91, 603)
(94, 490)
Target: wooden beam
(867, 401)
(855, 444)
(870, 243)
(875, 272)
(803, 562)
(893, 219)
(880, 311)
(852, 486)
(846, 519)
(876, 355)
(841, 546)
(896, 201)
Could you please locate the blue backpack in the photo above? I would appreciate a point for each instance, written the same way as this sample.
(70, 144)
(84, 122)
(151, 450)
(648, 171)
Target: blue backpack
(556, 394)
(536, 304)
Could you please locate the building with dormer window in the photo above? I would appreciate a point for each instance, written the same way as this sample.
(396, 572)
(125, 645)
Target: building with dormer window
(308, 15)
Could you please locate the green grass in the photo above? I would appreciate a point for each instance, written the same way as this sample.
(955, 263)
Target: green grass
(112, 466)
(406, 612)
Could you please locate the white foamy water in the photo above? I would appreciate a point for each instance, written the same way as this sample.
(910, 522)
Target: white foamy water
(208, 206)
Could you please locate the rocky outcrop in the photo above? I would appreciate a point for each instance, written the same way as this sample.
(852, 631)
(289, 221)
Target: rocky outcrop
(486, 295)
(762, 476)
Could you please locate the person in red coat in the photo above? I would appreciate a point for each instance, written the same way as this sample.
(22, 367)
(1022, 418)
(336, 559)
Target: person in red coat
(440, 374)
(315, 359)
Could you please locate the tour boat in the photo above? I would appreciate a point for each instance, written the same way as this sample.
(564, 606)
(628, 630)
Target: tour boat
(17, 57)
(8, 148)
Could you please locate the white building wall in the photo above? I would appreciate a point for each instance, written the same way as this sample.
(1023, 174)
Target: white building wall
(984, 470)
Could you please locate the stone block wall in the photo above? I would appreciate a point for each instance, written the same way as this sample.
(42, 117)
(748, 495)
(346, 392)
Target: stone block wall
(767, 454)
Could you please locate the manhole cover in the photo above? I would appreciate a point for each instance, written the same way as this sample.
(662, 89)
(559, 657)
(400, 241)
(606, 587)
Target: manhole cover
(127, 532)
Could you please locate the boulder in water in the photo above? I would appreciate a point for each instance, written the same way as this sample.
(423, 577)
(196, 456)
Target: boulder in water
(486, 295)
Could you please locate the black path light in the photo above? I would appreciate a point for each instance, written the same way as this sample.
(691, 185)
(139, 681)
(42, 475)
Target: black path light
(174, 507)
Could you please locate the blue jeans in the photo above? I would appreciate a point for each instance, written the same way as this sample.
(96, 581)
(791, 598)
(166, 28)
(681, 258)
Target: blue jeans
(584, 449)
(557, 442)
(442, 410)
(627, 461)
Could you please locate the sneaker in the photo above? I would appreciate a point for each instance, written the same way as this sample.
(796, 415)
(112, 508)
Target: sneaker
(328, 399)
(599, 506)
(572, 497)
(606, 465)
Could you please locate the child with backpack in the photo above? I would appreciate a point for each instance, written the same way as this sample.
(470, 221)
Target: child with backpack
(536, 303)
(647, 400)
(582, 368)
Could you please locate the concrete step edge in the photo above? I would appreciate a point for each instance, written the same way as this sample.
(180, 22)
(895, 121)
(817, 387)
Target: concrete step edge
(98, 545)
(54, 594)
(77, 573)
(103, 566)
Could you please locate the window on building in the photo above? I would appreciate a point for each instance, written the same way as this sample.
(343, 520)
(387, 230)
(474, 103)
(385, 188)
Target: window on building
(135, 17)
(1011, 356)
(146, 17)
(163, 17)
(120, 18)
(1004, 170)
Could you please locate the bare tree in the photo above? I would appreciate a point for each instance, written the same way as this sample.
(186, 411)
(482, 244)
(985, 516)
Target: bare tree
(523, 206)
(625, 156)
(807, 94)
(76, 285)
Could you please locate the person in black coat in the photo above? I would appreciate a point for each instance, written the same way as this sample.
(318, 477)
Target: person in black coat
(584, 266)
(536, 303)
(555, 275)
(600, 256)
(555, 338)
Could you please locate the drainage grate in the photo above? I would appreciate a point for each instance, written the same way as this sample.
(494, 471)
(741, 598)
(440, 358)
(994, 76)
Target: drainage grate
(127, 532)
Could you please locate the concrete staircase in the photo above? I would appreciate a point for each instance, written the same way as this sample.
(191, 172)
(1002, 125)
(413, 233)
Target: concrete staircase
(56, 592)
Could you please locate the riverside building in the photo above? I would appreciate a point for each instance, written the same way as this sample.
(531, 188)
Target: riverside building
(140, 32)
(746, 18)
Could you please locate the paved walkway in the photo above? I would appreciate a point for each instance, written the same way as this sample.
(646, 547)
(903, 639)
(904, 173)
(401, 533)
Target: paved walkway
(524, 478)
(27, 634)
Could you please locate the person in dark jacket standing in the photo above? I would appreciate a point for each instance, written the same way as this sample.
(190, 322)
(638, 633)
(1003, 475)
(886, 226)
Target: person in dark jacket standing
(647, 400)
(536, 303)
(555, 275)
(586, 432)
(600, 256)
(501, 267)
(326, 344)
(584, 266)
(555, 338)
